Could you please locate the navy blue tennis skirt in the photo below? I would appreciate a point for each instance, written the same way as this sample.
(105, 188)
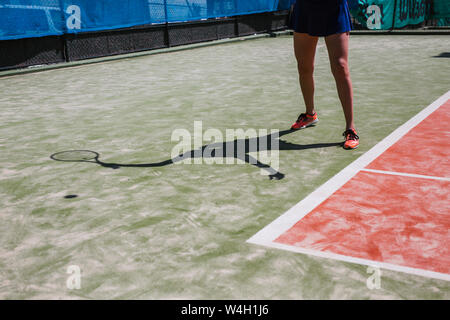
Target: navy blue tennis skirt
(321, 18)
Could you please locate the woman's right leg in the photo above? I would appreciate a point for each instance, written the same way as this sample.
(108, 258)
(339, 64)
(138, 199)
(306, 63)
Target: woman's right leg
(305, 51)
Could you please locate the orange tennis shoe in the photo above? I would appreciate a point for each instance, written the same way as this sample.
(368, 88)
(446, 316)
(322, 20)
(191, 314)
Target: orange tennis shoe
(351, 139)
(305, 120)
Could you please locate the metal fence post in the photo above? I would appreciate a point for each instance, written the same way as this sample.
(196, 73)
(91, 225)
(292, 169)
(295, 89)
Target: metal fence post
(395, 13)
(64, 31)
(166, 17)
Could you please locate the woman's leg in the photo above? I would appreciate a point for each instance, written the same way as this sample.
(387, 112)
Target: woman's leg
(305, 51)
(337, 45)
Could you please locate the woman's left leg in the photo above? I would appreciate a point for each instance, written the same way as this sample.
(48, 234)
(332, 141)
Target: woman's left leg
(337, 45)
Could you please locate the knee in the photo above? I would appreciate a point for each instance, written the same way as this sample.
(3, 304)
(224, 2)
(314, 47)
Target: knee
(305, 69)
(339, 67)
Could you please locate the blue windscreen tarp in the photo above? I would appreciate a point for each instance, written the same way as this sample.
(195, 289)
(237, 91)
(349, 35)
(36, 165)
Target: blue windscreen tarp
(37, 18)
(23, 19)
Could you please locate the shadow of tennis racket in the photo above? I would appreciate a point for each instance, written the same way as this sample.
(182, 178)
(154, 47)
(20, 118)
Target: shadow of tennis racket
(256, 146)
(93, 157)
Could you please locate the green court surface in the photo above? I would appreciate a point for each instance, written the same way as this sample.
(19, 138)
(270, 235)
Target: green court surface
(179, 231)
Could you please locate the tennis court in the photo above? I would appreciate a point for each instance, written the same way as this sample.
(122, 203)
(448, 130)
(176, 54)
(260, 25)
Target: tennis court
(177, 230)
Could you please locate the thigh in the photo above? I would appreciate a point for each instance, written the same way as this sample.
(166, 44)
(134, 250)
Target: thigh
(305, 48)
(337, 46)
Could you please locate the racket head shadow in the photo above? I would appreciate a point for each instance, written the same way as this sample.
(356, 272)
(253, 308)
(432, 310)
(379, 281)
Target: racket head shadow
(76, 156)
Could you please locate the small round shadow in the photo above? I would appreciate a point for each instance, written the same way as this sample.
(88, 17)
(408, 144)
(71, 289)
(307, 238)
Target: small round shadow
(71, 196)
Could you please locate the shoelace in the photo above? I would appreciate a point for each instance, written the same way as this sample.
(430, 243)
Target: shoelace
(350, 135)
(301, 117)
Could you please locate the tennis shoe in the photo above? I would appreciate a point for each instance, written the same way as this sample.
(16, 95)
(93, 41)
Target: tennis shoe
(305, 120)
(351, 139)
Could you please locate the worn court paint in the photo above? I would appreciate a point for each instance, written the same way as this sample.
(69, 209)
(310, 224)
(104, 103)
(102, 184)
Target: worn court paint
(424, 150)
(398, 221)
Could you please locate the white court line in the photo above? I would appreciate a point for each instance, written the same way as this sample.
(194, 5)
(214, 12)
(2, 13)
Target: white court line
(366, 262)
(404, 174)
(271, 232)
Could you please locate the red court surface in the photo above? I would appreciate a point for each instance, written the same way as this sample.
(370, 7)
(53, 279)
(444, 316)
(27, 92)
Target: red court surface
(385, 218)
(390, 208)
(425, 150)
